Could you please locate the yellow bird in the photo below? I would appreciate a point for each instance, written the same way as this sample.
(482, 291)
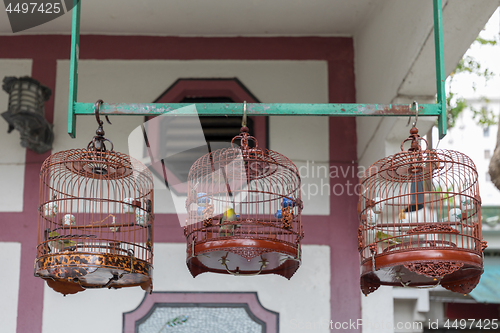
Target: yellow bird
(229, 216)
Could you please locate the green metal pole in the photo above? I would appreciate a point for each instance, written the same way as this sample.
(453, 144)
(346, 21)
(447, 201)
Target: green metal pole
(440, 76)
(73, 76)
(258, 109)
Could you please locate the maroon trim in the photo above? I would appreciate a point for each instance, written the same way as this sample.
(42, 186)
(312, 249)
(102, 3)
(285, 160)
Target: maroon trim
(342, 228)
(217, 87)
(476, 311)
(30, 306)
(337, 49)
(271, 318)
(337, 230)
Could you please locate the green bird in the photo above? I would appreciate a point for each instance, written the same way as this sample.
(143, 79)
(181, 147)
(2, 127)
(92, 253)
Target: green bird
(386, 238)
(58, 243)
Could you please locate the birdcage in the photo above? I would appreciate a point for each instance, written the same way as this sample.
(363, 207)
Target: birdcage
(95, 219)
(420, 220)
(244, 211)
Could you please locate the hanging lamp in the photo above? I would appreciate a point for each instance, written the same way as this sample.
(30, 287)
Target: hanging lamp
(420, 220)
(95, 219)
(244, 211)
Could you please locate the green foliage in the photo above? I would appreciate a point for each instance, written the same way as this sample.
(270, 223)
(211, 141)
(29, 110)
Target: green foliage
(456, 104)
(485, 117)
(483, 41)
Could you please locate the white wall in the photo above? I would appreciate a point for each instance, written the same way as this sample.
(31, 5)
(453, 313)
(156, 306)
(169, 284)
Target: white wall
(377, 311)
(301, 301)
(10, 261)
(12, 155)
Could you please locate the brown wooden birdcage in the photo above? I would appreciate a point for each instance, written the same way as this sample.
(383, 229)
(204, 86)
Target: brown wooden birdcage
(244, 211)
(420, 220)
(95, 220)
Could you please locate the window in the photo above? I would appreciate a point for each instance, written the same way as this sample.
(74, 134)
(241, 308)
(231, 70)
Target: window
(215, 129)
(487, 154)
(176, 143)
(487, 176)
(235, 312)
(486, 132)
(200, 318)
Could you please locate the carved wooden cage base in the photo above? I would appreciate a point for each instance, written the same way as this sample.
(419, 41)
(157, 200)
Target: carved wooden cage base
(434, 269)
(460, 274)
(74, 272)
(244, 256)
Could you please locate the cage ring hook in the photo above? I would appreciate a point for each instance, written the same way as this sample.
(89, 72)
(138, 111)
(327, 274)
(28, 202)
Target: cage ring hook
(97, 106)
(413, 106)
(244, 121)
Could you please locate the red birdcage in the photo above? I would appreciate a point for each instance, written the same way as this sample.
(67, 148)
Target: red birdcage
(244, 212)
(95, 219)
(420, 220)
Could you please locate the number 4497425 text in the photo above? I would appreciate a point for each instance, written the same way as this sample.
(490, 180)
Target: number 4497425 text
(485, 324)
(34, 8)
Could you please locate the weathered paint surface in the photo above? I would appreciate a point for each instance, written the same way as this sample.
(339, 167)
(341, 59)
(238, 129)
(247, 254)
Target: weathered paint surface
(259, 109)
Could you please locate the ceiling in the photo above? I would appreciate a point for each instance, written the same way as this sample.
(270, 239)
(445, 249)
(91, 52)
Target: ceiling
(393, 39)
(214, 17)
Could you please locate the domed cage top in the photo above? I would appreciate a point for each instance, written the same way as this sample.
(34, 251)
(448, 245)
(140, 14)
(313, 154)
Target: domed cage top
(95, 220)
(420, 220)
(244, 211)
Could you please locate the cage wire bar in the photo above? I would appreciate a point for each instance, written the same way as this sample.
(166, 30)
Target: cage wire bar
(262, 109)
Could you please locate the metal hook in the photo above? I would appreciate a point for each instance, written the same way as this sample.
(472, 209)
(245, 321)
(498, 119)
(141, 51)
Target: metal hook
(414, 106)
(244, 121)
(96, 112)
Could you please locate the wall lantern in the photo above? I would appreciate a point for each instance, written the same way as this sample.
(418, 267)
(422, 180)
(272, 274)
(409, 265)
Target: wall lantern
(95, 219)
(420, 220)
(244, 211)
(26, 112)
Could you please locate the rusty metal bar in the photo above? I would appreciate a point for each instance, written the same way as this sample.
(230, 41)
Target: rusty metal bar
(258, 109)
